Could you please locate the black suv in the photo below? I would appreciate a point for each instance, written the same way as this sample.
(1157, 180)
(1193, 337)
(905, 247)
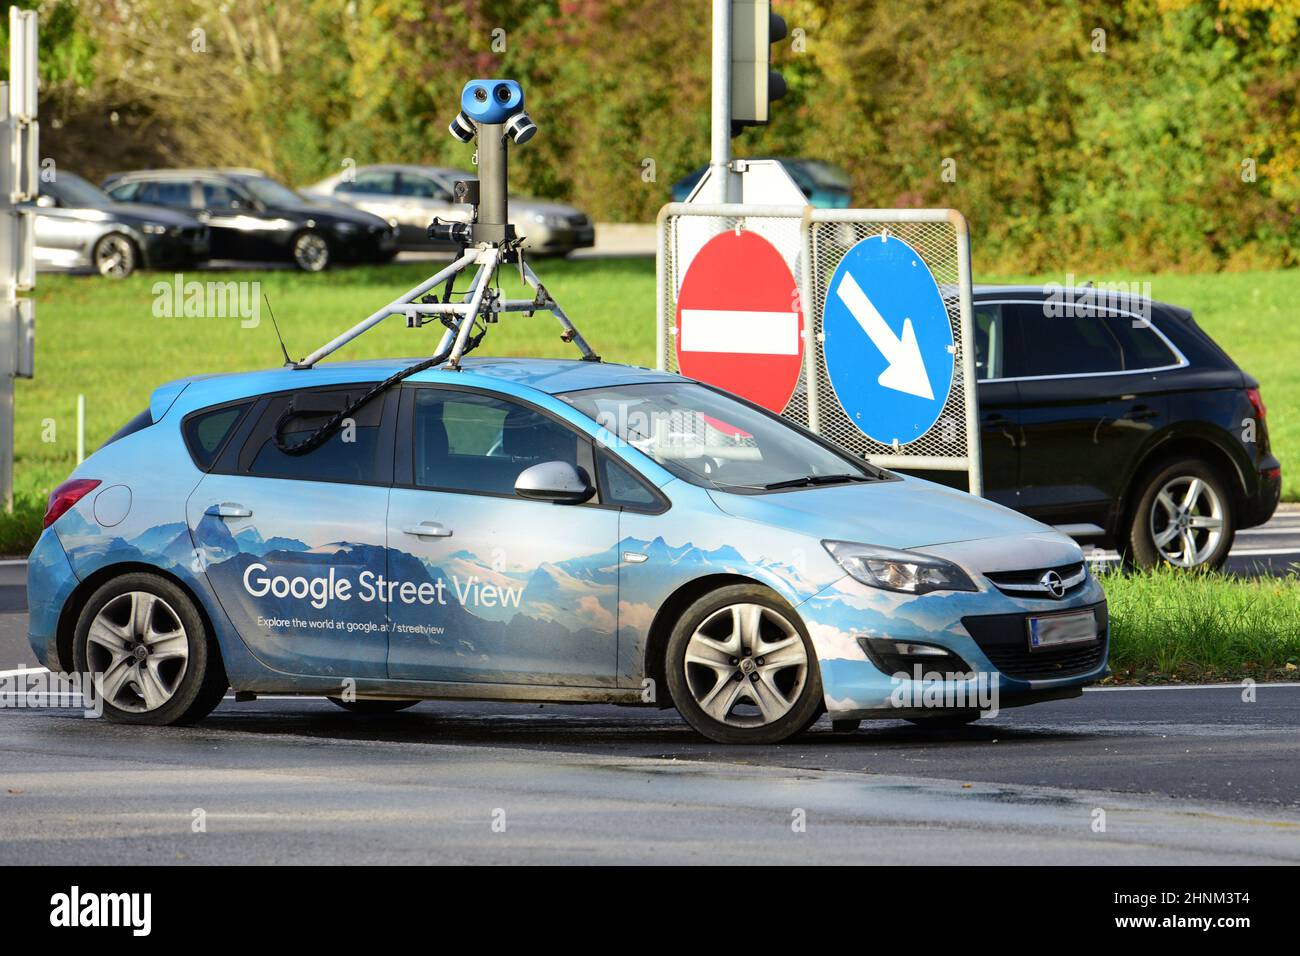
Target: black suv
(251, 216)
(1121, 422)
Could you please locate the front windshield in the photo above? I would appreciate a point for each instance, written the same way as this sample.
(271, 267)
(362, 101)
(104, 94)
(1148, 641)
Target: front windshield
(270, 192)
(73, 191)
(709, 438)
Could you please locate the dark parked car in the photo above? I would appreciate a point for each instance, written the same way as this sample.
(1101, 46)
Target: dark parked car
(822, 184)
(79, 226)
(251, 216)
(1125, 424)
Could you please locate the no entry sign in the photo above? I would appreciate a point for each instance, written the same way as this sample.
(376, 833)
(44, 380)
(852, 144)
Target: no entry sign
(739, 322)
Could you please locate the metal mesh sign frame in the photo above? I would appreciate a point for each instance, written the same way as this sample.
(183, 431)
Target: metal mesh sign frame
(813, 242)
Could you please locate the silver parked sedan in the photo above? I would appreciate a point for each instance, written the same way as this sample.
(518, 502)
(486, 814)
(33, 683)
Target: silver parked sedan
(409, 197)
(79, 227)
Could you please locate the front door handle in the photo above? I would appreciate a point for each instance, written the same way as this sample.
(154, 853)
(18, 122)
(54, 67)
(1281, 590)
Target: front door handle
(228, 509)
(428, 529)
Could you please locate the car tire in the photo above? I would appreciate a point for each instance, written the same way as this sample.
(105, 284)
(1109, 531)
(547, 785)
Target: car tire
(310, 251)
(160, 664)
(1183, 507)
(115, 255)
(745, 702)
(372, 707)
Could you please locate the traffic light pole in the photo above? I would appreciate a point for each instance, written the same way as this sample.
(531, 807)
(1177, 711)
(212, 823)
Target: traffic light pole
(726, 182)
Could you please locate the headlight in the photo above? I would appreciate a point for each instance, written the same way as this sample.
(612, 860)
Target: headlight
(906, 571)
(153, 229)
(547, 219)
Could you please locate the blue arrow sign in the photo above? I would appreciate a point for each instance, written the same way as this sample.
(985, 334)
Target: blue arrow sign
(888, 341)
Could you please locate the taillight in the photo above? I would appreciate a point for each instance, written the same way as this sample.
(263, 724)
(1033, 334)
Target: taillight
(1257, 403)
(65, 496)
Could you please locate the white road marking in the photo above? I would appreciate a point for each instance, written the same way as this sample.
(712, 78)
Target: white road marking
(1236, 686)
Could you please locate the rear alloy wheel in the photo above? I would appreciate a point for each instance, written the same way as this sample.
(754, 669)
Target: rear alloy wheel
(311, 253)
(741, 668)
(1183, 519)
(372, 707)
(144, 635)
(115, 256)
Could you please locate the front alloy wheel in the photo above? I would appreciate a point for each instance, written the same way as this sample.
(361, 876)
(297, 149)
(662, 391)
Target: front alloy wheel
(741, 669)
(115, 256)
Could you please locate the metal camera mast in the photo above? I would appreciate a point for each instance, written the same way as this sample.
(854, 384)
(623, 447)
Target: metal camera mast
(492, 111)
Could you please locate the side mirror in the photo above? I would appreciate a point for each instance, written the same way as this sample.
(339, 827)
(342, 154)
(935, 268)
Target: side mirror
(556, 481)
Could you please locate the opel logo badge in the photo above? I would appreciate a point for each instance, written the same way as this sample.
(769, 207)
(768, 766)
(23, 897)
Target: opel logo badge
(1052, 583)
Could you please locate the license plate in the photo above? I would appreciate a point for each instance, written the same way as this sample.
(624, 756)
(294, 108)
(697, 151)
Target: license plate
(1058, 629)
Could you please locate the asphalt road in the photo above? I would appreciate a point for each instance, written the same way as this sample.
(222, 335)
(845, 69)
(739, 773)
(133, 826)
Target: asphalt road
(1178, 775)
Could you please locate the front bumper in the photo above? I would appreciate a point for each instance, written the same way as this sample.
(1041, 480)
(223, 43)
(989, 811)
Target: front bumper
(986, 629)
(1260, 507)
(557, 239)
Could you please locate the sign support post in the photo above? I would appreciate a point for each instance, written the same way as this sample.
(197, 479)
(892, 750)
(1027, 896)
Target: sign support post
(18, 189)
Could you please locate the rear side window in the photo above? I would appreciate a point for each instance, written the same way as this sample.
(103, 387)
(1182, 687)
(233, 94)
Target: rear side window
(351, 454)
(206, 432)
(1039, 344)
(170, 193)
(1059, 345)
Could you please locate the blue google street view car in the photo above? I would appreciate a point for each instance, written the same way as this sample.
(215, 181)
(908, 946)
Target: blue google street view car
(541, 530)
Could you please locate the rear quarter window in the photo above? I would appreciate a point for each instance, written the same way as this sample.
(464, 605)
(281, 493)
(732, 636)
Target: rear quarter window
(206, 432)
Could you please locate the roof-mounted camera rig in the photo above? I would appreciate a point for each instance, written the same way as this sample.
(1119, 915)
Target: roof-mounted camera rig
(492, 111)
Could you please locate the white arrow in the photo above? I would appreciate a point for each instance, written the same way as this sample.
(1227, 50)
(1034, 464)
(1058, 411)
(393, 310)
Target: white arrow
(906, 369)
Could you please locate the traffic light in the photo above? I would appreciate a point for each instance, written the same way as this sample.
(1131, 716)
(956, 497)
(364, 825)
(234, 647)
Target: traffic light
(754, 84)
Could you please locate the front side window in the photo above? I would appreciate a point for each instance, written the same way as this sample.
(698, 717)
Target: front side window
(369, 184)
(220, 196)
(420, 187)
(988, 341)
(465, 441)
(709, 438)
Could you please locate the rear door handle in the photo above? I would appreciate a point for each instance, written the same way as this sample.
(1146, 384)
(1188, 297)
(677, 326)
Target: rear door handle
(228, 509)
(428, 529)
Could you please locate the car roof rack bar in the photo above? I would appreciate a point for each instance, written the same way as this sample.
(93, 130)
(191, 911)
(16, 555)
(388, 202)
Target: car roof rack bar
(396, 306)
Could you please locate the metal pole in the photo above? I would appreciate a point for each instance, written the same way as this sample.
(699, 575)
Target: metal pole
(970, 386)
(720, 153)
(571, 333)
(487, 265)
(376, 317)
(493, 176)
